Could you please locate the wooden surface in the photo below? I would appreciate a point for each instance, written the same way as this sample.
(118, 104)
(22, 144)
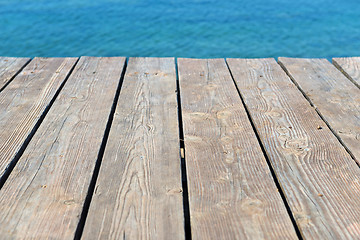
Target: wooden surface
(231, 191)
(319, 178)
(25, 99)
(45, 192)
(350, 67)
(9, 67)
(94, 148)
(334, 96)
(138, 193)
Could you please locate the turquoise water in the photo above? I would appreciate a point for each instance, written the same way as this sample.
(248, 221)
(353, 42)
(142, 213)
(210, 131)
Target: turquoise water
(181, 28)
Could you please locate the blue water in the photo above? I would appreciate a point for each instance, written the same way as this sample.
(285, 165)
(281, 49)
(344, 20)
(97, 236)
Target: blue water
(181, 28)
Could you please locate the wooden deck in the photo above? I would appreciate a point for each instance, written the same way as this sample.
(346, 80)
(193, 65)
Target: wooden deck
(164, 148)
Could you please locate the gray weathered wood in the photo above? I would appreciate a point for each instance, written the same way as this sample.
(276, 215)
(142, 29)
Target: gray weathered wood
(335, 98)
(319, 178)
(44, 195)
(9, 67)
(350, 67)
(231, 191)
(24, 100)
(138, 193)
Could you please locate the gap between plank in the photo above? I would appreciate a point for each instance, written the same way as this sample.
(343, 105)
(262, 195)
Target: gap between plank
(18, 155)
(87, 202)
(273, 174)
(186, 206)
(345, 73)
(319, 113)
(17, 73)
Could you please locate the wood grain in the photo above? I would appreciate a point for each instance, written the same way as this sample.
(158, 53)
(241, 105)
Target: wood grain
(350, 67)
(44, 195)
(24, 100)
(319, 178)
(335, 98)
(9, 67)
(138, 193)
(231, 190)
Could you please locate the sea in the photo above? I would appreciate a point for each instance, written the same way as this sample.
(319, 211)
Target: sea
(180, 28)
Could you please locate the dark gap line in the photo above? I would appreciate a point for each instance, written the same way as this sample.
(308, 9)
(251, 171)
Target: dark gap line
(345, 73)
(18, 155)
(13, 77)
(80, 227)
(319, 114)
(273, 173)
(186, 205)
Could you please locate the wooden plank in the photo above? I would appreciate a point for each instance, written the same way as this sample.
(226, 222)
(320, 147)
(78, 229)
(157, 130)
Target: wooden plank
(138, 193)
(44, 195)
(319, 178)
(24, 100)
(335, 98)
(231, 191)
(350, 67)
(9, 67)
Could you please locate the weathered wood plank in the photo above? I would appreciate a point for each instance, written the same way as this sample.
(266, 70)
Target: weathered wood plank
(350, 67)
(231, 191)
(319, 178)
(138, 193)
(336, 99)
(9, 67)
(44, 195)
(24, 100)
